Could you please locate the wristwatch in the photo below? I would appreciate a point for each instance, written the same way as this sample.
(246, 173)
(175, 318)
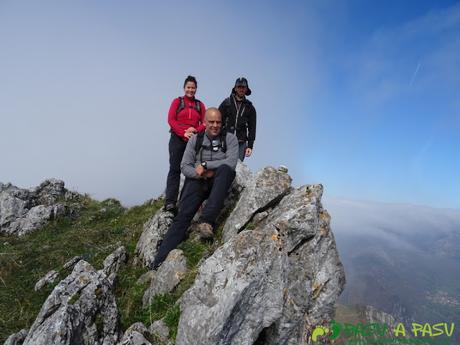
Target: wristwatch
(204, 164)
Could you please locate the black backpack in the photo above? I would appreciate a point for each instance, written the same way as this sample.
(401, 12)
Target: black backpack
(200, 137)
(182, 105)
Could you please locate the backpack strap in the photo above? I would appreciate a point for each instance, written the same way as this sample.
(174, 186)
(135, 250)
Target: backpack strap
(223, 140)
(198, 106)
(181, 105)
(199, 141)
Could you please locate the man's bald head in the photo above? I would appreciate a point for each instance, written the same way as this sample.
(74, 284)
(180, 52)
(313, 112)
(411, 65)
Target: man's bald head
(213, 121)
(213, 112)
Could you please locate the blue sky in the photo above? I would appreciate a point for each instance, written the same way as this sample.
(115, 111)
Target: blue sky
(361, 96)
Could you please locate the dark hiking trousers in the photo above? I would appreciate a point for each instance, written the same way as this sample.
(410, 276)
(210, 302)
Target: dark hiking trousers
(194, 193)
(242, 146)
(176, 151)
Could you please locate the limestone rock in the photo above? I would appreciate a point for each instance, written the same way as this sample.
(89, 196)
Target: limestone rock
(159, 330)
(17, 338)
(135, 335)
(69, 265)
(146, 277)
(243, 176)
(315, 275)
(270, 285)
(25, 210)
(49, 191)
(152, 235)
(267, 187)
(113, 262)
(238, 293)
(167, 276)
(80, 310)
(49, 278)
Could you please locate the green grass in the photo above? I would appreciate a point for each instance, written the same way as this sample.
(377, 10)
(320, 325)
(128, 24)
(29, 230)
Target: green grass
(194, 250)
(171, 320)
(250, 226)
(164, 306)
(99, 229)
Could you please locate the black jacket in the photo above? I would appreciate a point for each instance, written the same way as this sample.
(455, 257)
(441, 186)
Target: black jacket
(245, 124)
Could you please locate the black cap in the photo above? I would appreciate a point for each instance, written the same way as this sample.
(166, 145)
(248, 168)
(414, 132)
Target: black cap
(242, 82)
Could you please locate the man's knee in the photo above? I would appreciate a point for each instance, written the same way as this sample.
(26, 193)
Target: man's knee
(224, 169)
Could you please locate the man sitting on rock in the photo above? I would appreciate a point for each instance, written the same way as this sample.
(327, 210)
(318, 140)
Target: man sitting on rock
(208, 164)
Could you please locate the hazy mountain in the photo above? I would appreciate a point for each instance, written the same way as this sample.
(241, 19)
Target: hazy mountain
(402, 259)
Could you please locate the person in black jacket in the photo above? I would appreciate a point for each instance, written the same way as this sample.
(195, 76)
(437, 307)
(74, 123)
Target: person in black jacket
(239, 117)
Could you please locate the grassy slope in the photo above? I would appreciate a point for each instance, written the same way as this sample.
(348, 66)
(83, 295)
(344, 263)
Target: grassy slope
(100, 228)
(98, 231)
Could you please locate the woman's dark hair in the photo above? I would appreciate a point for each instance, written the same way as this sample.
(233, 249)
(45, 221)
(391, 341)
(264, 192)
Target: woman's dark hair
(192, 79)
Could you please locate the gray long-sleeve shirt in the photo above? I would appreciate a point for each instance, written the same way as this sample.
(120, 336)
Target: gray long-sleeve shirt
(192, 159)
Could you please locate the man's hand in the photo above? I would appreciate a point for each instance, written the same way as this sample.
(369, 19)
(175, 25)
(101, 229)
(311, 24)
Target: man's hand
(200, 170)
(208, 173)
(248, 152)
(203, 173)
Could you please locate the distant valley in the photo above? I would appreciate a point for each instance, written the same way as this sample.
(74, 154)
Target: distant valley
(401, 259)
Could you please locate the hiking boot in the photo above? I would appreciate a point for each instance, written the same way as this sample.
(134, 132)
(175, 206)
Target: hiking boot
(170, 207)
(205, 231)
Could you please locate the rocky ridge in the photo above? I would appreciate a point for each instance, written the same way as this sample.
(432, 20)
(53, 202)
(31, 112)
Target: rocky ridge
(25, 210)
(275, 276)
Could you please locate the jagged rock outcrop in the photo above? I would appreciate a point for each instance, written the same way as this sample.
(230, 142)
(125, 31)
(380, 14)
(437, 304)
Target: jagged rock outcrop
(17, 338)
(113, 262)
(168, 275)
(25, 210)
(69, 265)
(268, 186)
(269, 285)
(49, 278)
(152, 235)
(135, 335)
(314, 274)
(276, 277)
(80, 310)
(160, 331)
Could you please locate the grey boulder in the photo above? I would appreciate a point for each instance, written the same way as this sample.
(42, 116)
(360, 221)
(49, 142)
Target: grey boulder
(25, 210)
(49, 278)
(266, 188)
(80, 310)
(160, 331)
(135, 335)
(167, 276)
(152, 235)
(237, 293)
(269, 285)
(315, 275)
(17, 338)
(113, 262)
(69, 265)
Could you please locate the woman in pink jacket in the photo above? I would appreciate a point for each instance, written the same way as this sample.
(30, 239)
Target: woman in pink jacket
(185, 117)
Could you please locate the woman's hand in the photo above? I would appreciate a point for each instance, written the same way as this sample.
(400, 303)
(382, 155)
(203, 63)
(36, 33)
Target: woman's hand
(189, 132)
